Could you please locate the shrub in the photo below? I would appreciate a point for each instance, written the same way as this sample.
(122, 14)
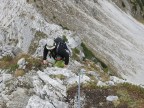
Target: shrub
(59, 64)
(7, 58)
(19, 72)
(75, 50)
(13, 67)
(33, 63)
(9, 63)
(65, 38)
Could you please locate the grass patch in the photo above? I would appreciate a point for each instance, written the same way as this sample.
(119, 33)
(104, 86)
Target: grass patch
(19, 72)
(64, 27)
(10, 63)
(75, 54)
(59, 76)
(65, 38)
(75, 50)
(7, 62)
(90, 85)
(106, 70)
(92, 77)
(130, 96)
(7, 58)
(134, 91)
(59, 64)
(33, 63)
(13, 67)
(91, 66)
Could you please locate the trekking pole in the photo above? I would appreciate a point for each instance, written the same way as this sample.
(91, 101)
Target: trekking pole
(79, 91)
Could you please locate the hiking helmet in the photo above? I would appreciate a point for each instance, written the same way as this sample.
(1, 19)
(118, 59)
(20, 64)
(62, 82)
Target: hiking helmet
(50, 44)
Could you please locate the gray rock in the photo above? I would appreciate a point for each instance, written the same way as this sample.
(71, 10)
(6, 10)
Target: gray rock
(112, 98)
(2, 104)
(6, 77)
(101, 84)
(20, 99)
(16, 51)
(21, 63)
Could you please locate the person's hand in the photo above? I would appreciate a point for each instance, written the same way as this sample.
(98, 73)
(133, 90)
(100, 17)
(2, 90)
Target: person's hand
(45, 62)
(65, 66)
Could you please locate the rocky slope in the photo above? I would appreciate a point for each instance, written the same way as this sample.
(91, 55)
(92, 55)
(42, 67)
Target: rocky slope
(90, 27)
(133, 7)
(115, 37)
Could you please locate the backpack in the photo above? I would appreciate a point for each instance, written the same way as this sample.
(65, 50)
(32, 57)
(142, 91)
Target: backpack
(59, 42)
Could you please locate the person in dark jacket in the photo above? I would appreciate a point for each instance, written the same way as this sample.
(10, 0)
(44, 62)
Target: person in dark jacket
(56, 51)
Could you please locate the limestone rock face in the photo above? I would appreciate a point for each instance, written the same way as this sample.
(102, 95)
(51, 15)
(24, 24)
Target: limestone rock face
(133, 7)
(115, 37)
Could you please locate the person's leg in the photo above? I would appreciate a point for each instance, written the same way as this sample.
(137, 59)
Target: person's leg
(64, 55)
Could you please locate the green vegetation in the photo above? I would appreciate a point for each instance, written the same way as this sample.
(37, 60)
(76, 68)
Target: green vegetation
(54, 17)
(65, 38)
(130, 96)
(64, 27)
(40, 34)
(123, 4)
(59, 64)
(93, 78)
(7, 58)
(33, 63)
(12, 67)
(30, 1)
(10, 63)
(75, 54)
(106, 70)
(90, 85)
(89, 55)
(75, 50)
(138, 3)
(19, 72)
(59, 76)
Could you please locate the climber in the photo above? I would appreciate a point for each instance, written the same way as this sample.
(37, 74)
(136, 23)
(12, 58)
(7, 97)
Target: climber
(57, 49)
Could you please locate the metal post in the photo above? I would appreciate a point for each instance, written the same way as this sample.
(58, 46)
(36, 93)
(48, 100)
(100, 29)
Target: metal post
(79, 91)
